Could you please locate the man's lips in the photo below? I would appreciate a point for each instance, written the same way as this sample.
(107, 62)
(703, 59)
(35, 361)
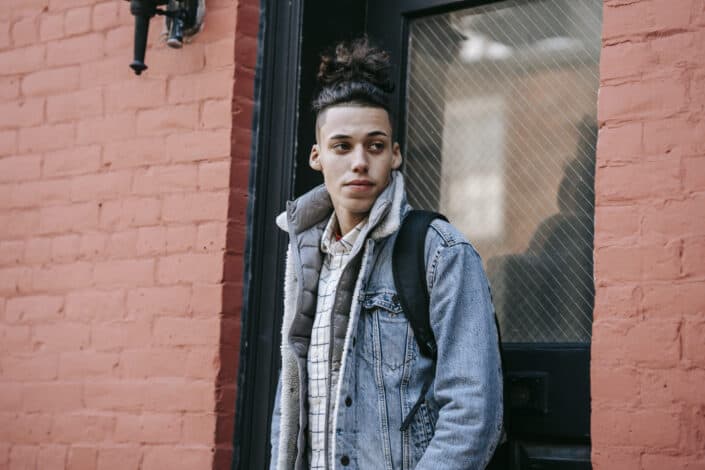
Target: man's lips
(359, 183)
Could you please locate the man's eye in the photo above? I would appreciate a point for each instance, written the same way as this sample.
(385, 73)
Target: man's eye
(377, 146)
(341, 147)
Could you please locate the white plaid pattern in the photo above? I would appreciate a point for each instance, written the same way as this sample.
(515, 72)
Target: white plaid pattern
(323, 376)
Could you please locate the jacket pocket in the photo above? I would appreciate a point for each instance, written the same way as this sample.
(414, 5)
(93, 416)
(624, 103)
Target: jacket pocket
(388, 330)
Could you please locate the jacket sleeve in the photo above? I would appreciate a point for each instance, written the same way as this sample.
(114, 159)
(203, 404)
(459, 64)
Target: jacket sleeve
(467, 387)
(274, 433)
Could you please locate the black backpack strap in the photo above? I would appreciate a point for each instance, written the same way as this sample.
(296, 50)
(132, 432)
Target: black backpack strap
(409, 271)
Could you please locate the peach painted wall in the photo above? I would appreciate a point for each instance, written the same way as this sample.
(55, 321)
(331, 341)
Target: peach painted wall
(122, 204)
(648, 357)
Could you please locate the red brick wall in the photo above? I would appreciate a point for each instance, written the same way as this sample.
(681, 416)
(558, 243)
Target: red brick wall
(122, 205)
(648, 358)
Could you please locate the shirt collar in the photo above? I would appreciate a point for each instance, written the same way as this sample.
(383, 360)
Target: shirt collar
(329, 242)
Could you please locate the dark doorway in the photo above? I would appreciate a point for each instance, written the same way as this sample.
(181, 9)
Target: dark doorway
(496, 116)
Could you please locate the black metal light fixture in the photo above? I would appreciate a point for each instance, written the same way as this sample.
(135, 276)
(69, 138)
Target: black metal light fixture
(183, 18)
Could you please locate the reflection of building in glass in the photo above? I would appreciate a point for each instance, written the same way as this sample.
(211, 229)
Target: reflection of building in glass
(500, 97)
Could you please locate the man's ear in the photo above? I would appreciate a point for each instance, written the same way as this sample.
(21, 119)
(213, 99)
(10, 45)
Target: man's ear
(314, 158)
(396, 156)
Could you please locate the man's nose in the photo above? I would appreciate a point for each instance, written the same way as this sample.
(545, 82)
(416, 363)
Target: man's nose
(359, 159)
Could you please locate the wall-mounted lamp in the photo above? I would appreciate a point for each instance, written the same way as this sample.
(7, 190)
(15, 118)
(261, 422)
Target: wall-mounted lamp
(183, 18)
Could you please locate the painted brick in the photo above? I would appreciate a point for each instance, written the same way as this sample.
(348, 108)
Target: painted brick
(178, 459)
(210, 85)
(87, 364)
(220, 53)
(65, 248)
(214, 175)
(119, 457)
(37, 251)
(34, 308)
(166, 62)
(25, 32)
(105, 15)
(5, 37)
(670, 219)
(82, 458)
(42, 366)
(77, 21)
(646, 98)
(135, 94)
(156, 301)
(75, 50)
(51, 81)
(165, 179)
(617, 225)
(206, 299)
(693, 340)
(110, 128)
(23, 457)
(115, 336)
(100, 186)
(151, 241)
(62, 277)
(8, 143)
(25, 113)
(15, 280)
(171, 331)
(664, 135)
(52, 456)
(124, 273)
(694, 169)
(74, 161)
(9, 88)
(122, 245)
(190, 267)
(148, 428)
(10, 397)
(198, 428)
(24, 429)
(45, 138)
(167, 119)
(647, 180)
(61, 337)
(11, 252)
(73, 106)
(671, 387)
(119, 38)
(22, 168)
(52, 396)
(69, 218)
(200, 145)
(51, 27)
(152, 363)
(132, 153)
(39, 193)
(18, 224)
(129, 212)
(22, 60)
(180, 238)
(195, 207)
(95, 304)
(82, 427)
(92, 245)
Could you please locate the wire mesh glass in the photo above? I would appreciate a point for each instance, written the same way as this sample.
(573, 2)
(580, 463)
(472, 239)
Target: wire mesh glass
(501, 131)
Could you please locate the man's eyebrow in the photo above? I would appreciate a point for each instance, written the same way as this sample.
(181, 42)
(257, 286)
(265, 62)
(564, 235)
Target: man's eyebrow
(377, 133)
(339, 136)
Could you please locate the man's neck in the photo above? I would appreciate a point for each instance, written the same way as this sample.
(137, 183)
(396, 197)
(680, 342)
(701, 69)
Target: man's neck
(348, 221)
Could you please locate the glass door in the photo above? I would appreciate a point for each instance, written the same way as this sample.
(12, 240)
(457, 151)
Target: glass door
(498, 121)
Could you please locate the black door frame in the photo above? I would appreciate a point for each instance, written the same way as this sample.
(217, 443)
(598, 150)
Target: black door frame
(292, 34)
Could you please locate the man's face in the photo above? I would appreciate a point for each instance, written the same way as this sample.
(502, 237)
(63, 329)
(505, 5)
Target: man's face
(356, 154)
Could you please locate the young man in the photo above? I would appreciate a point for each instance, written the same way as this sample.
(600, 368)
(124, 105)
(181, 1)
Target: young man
(352, 370)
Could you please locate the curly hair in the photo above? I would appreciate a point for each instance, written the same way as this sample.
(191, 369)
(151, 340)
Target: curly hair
(354, 72)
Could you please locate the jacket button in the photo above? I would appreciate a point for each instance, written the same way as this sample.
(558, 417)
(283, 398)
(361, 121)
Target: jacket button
(348, 401)
(345, 460)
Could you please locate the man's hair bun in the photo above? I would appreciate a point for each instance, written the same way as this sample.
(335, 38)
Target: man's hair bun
(354, 72)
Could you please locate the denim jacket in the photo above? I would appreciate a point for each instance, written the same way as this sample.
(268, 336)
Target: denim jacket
(382, 371)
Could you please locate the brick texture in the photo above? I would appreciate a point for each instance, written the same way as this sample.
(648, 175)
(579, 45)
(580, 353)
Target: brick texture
(647, 354)
(119, 336)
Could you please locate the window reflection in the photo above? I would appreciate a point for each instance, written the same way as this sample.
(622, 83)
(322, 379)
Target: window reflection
(501, 138)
